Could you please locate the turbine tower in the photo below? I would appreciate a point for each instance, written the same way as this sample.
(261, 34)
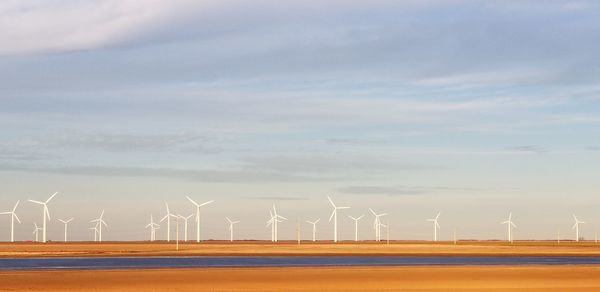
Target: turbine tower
(436, 226)
(95, 228)
(198, 215)
(576, 227)
(231, 228)
(185, 225)
(168, 218)
(314, 232)
(66, 224)
(377, 224)
(13, 216)
(45, 214)
(99, 223)
(334, 217)
(270, 222)
(356, 226)
(153, 226)
(510, 226)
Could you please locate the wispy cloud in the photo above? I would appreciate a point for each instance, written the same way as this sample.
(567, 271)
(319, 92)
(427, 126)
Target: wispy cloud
(527, 149)
(400, 190)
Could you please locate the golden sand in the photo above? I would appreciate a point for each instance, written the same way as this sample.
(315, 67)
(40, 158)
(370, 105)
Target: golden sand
(496, 278)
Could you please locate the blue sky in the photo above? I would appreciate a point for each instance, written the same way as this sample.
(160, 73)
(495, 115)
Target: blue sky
(472, 108)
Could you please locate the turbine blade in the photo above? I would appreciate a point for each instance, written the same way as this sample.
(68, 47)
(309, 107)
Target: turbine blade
(37, 202)
(330, 201)
(15, 208)
(438, 215)
(282, 217)
(16, 217)
(319, 219)
(193, 202)
(513, 225)
(47, 211)
(229, 220)
(332, 213)
(51, 197)
(360, 217)
(206, 203)
(343, 207)
(375, 214)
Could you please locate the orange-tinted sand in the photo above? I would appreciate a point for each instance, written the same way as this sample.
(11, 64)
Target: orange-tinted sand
(291, 248)
(499, 278)
(434, 278)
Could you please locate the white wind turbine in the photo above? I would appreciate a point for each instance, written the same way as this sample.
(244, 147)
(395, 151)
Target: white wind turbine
(153, 226)
(436, 226)
(198, 215)
(334, 217)
(270, 223)
(66, 224)
(99, 223)
(576, 227)
(45, 213)
(377, 224)
(185, 225)
(36, 231)
(231, 228)
(510, 225)
(95, 228)
(13, 216)
(314, 232)
(275, 225)
(168, 218)
(356, 226)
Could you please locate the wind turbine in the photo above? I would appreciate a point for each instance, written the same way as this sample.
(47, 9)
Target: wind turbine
(276, 217)
(334, 217)
(510, 226)
(576, 227)
(13, 216)
(231, 228)
(167, 217)
(198, 215)
(95, 228)
(185, 225)
(153, 226)
(45, 213)
(36, 231)
(314, 224)
(356, 226)
(99, 223)
(436, 226)
(377, 224)
(66, 223)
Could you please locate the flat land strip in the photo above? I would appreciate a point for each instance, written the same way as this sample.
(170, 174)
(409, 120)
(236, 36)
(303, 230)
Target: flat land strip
(434, 278)
(253, 248)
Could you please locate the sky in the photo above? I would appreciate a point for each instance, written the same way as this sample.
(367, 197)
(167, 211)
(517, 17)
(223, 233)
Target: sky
(469, 108)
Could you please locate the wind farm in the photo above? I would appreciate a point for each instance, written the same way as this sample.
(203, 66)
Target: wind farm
(299, 145)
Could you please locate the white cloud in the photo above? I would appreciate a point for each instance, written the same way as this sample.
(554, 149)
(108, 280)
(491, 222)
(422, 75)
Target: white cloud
(56, 26)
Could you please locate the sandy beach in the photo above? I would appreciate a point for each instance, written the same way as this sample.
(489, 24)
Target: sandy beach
(392, 278)
(435, 278)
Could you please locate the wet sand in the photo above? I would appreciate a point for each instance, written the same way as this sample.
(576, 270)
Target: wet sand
(436, 278)
(292, 248)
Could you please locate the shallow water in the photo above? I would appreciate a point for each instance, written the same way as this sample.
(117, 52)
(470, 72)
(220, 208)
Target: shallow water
(274, 261)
